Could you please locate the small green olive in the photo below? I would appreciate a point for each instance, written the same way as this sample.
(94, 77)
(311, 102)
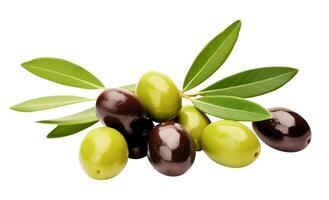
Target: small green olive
(159, 96)
(103, 153)
(230, 143)
(194, 121)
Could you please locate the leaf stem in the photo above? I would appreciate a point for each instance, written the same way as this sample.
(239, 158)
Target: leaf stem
(192, 95)
(188, 96)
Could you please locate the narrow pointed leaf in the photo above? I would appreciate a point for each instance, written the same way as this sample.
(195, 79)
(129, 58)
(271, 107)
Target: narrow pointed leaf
(131, 87)
(62, 131)
(44, 103)
(252, 82)
(212, 56)
(232, 108)
(83, 117)
(62, 72)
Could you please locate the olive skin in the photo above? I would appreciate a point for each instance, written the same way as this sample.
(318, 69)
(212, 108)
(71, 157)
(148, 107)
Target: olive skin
(171, 149)
(122, 110)
(286, 131)
(103, 153)
(230, 143)
(194, 121)
(159, 95)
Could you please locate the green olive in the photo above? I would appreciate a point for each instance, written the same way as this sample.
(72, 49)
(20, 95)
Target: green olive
(194, 121)
(103, 153)
(230, 143)
(159, 95)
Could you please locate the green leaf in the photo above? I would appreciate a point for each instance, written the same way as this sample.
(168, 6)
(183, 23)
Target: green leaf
(62, 131)
(232, 108)
(131, 87)
(252, 82)
(212, 56)
(83, 117)
(44, 103)
(62, 72)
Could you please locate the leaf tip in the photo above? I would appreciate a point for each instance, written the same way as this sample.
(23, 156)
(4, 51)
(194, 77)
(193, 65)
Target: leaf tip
(18, 108)
(42, 121)
(295, 70)
(25, 64)
(267, 115)
(13, 108)
(237, 25)
(238, 22)
(51, 135)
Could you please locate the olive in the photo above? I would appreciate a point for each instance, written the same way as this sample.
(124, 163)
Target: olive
(123, 111)
(286, 131)
(230, 143)
(171, 149)
(159, 95)
(194, 121)
(138, 142)
(103, 153)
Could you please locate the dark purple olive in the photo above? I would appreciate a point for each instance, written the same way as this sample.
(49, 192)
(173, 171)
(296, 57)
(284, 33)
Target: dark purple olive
(171, 149)
(286, 131)
(123, 111)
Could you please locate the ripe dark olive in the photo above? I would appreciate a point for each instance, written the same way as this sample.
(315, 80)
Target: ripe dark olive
(286, 131)
(123, 111)
(138, 142)
(171, 149)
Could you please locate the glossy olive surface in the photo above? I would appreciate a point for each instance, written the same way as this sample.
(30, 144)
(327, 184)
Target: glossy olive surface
(171, 149)
(230, 143)
(159, 95)
(103, 153)
(123, 111)
(286, 131)
(194, 121)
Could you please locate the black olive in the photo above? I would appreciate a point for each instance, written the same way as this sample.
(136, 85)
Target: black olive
(286, 131)
(123, 111)
(171, 149)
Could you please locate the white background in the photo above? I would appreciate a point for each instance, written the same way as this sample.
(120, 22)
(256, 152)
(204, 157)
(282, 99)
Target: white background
(120, 40)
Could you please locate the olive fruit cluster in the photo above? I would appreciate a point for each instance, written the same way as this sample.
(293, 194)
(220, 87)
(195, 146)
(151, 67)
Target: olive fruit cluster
(131, 132)
(148, 119)
(171, 145)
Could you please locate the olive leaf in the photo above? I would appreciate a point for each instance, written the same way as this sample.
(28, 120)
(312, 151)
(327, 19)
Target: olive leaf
(83, 117)
(44, 103)
(62, 72)
(131, 87)
(232, 108)
(212, 56)
(252, 82)
(62, 131)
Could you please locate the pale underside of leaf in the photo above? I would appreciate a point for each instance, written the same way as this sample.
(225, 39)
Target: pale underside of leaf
(63, 72)
(83, 117)
(232, 108)
(49, 102)
(62, 131)
(259, 81)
